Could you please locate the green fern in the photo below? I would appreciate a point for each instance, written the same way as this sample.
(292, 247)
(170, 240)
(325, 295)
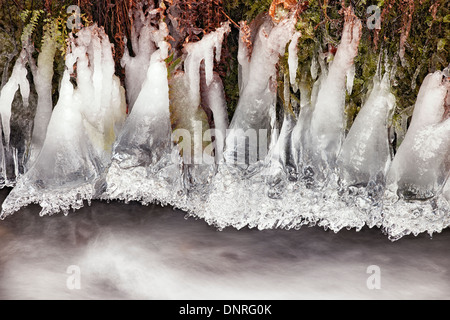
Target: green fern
(33, 19)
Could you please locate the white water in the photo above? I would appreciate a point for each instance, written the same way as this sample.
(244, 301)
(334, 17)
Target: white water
(138, 252)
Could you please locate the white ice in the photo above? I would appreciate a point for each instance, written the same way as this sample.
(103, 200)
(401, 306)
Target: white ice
(293, 58)
(136, 67)
(18, 80)
(258, 96)
(420, 166)
(204, 51)
(80, 134)
(446, 191)
(146, 167)
(214, 98)
(366, 151)
(146, 133)
(43, 77)
(328, 119)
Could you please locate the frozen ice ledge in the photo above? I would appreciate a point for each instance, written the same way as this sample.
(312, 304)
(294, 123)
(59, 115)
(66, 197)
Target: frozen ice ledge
(177, 148)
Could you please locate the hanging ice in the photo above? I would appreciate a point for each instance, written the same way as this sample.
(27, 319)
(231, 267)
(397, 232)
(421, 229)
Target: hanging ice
(176, 148)
(255, 154)
(256, 105)
(77, 148)
(199, 118)
(365, 155)
(43, 76)
(350, 79)
(203, 51)
(147, 166)
(12, 154)
(18, 80)
(144, 146)
(328, 119)
(213, 97)
(421, 164)
(412, 202)
(143, 42)
(293, 58)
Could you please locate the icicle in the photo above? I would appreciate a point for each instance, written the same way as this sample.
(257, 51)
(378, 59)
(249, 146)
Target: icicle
(144, 39)
(293, 59)
(365, 153)
(213, 97)
(350, 79)
(43, 78)
(328, 120)
(149, 121)
(259, 95)
(17, 80)
(144, 144)
(203, 51)
(418, 170)
(314, 67)
(243, 57)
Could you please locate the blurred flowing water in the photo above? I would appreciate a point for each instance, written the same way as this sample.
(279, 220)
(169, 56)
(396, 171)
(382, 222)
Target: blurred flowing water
(137, 252)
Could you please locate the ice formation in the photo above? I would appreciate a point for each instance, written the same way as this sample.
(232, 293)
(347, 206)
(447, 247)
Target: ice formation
(421, 164)
(18, 80)
(82, 128)
(366, 154)
(143, 43)
(152, 163)
(263, 170)
(9, 168)
(142, 147)
(256, 107)
(43, 76)
(327, 127)
(293, 58)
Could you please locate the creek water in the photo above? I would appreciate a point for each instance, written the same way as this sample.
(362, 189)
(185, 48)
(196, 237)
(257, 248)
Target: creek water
(129, 251)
